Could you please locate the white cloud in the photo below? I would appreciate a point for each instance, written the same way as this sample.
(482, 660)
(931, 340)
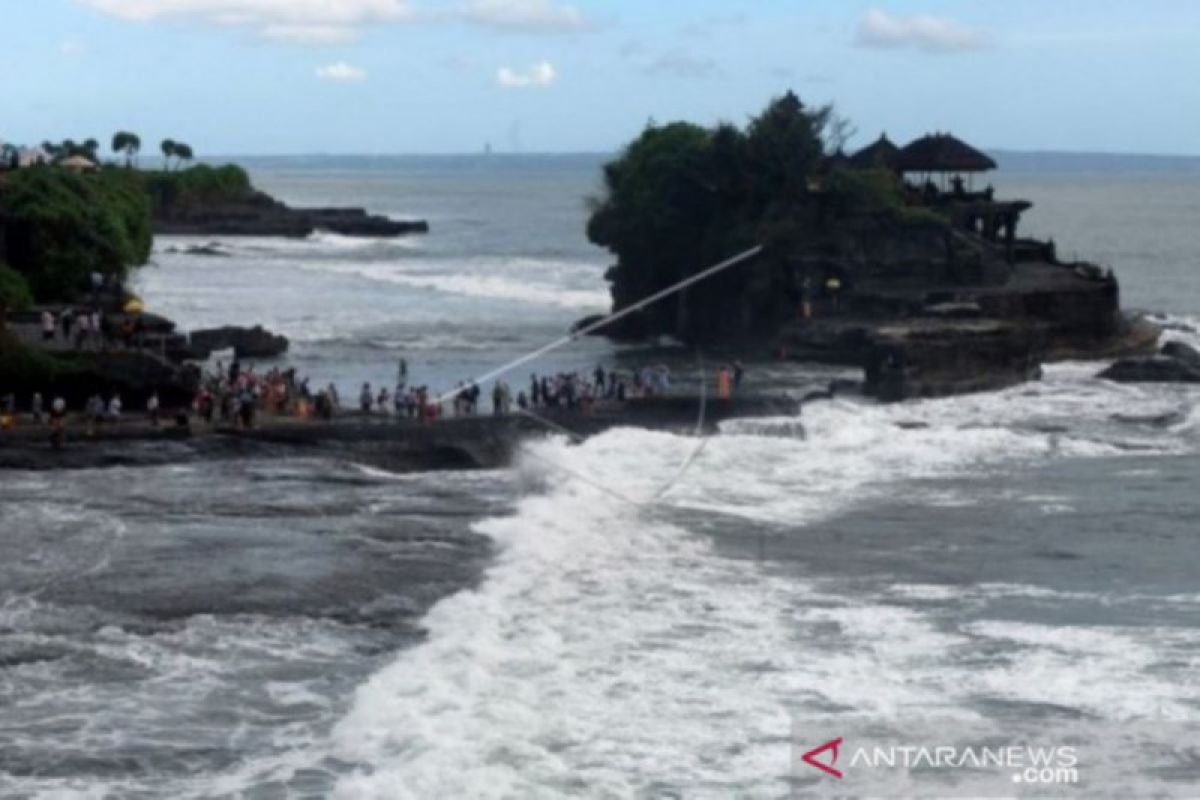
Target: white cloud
(70, 48)
(298, 21)
(341, 71)
(322, 22)
(544, 16)
(311, 34)
(539, 75)
(880, 29)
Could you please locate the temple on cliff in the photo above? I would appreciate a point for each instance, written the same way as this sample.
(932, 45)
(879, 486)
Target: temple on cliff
(944, 296)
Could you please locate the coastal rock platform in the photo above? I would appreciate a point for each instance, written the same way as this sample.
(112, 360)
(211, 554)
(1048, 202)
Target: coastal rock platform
(394, 444)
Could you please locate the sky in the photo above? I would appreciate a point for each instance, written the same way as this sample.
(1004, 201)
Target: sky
(261, 77)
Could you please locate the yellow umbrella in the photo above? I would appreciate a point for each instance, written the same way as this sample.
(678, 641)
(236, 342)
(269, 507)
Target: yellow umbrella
(134, 306)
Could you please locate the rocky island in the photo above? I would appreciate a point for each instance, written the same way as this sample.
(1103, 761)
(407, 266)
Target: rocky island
(887, 259)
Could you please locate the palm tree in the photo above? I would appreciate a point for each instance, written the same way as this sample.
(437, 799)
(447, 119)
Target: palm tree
(183, 152)
(168, 148)
(128, 143)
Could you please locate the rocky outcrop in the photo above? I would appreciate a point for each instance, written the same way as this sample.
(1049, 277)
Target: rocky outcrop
(1177, 363)
(1182, 352)
(246, 343)
(262, 215)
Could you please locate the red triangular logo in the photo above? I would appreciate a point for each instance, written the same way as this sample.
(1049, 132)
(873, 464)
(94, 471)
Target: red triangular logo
(810, 757)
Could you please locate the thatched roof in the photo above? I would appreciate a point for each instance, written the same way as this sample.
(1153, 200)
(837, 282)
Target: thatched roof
(880, 154)
(79, 163)
(941, 152)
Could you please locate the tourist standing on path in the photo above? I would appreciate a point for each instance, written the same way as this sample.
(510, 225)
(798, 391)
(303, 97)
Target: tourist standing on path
(152, 408)
(47, 326)
(724, 384)
(365, 399)
(739, 372)
(36, 408)
(58, 423)
(114, 408)
(93, 413)
(81, 330)
(65, 319)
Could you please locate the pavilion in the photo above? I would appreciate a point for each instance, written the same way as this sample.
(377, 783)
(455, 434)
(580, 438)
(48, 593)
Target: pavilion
(941, 154)
(880, 154)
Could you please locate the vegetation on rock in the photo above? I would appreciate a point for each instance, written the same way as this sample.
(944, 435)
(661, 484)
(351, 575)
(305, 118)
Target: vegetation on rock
(60, 227)
(682, 197)
(197, 186)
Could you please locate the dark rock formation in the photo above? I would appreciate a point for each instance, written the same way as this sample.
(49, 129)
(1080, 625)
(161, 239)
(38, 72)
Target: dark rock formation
(256, 342)
(211, 250)
(1182, 352)
(261, 215)
(1156, 369)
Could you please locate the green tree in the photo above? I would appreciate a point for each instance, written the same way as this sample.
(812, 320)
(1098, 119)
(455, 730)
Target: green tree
(168, 150)
(682, 197)
(129, 144)
(60, 227)
(183, 152)
(14, 293)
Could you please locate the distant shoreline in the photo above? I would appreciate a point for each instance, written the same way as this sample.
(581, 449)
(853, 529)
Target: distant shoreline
(1010, 161)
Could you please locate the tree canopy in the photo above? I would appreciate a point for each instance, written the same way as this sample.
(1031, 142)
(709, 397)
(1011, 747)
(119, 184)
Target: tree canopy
(130, 144)
(14, 291)
(682, 197)
(60, 227)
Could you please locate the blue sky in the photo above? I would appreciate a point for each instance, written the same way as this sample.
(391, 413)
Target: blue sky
(424, 76)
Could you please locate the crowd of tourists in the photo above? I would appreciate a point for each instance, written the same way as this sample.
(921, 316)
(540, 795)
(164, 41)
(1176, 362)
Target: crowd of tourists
(236, 395)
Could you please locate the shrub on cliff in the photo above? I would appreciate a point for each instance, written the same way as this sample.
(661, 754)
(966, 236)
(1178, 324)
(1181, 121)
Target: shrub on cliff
(14, 291)
(198, 185)
(60, 227)
(25, 370)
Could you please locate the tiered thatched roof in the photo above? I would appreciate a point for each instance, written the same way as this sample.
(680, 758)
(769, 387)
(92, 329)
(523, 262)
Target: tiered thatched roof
(881, 154)
(941, 152)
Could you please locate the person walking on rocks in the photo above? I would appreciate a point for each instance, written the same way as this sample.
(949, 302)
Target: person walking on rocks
(366, 399)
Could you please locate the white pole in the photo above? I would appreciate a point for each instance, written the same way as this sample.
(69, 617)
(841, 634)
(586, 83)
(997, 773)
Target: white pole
(595, 326)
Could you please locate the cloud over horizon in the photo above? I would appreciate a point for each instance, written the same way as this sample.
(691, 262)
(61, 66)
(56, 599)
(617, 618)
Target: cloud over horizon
(540, 75)
(333, 22)
(879, 29)
(342, 72)
(544, 16)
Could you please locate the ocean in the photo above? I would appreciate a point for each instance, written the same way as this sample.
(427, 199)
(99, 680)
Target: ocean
(640, 615)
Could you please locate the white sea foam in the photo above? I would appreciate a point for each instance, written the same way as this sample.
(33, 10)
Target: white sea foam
(611, 650)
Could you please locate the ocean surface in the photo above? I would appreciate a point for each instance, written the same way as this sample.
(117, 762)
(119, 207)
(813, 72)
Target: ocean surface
(598, 621)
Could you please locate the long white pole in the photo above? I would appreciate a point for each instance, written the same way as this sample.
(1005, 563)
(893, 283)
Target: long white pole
(598, 324)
